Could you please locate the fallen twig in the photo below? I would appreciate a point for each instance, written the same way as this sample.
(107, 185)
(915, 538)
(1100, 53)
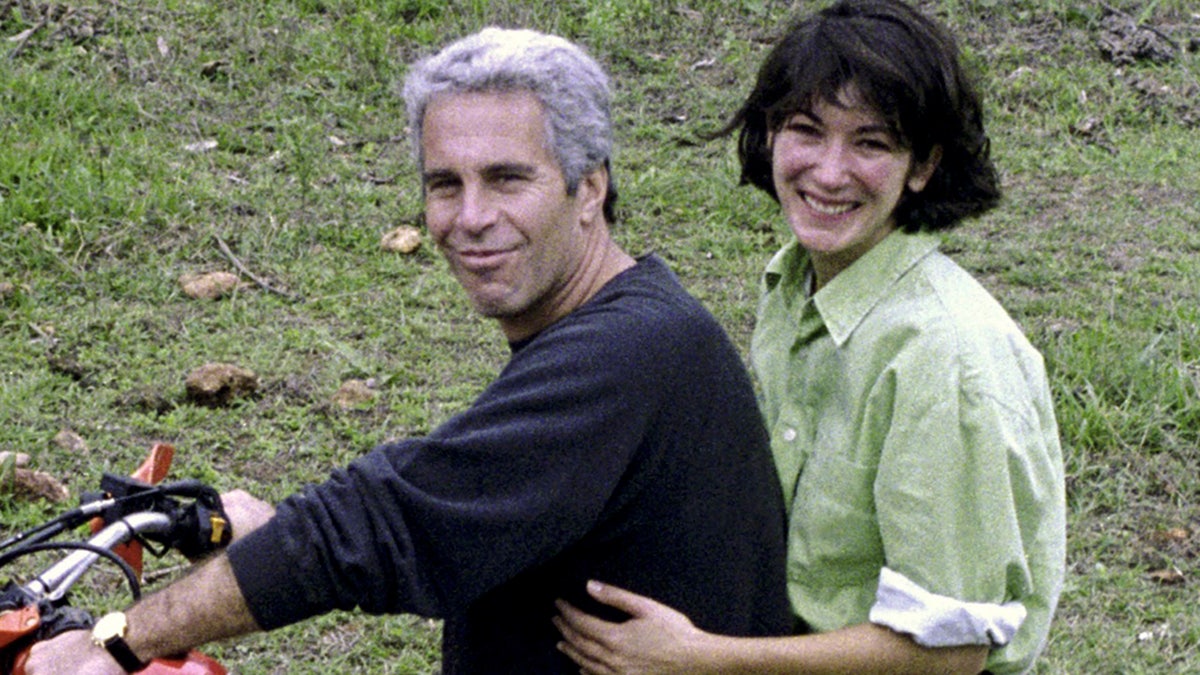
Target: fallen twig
(25, 36)
(154, 575)
(43, 335)
(255, 278)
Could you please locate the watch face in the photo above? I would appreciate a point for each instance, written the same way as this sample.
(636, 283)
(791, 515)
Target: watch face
(109, 626)
(109, 634)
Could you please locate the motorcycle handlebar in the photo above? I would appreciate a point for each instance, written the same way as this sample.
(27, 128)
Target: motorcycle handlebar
(134, 509)
(53, 583)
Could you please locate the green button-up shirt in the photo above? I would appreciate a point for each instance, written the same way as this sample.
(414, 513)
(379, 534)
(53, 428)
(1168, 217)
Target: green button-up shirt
(912, 428)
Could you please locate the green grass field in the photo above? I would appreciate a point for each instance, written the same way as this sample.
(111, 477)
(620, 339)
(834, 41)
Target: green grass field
(138, 136)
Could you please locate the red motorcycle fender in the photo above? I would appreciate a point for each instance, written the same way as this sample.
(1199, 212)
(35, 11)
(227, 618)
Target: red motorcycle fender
(194, 664)
(17, 623)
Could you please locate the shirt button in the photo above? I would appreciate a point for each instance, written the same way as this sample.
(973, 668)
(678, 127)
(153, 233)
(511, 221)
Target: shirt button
(789, 434)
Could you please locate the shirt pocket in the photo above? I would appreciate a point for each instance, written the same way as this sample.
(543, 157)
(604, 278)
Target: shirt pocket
(834, 529)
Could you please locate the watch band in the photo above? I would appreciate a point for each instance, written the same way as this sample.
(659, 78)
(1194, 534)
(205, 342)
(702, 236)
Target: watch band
(109, 633)
(119, 649)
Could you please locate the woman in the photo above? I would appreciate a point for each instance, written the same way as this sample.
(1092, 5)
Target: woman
(911, 421)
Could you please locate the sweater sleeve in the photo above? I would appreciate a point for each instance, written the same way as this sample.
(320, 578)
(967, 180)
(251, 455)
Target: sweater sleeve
(426, 525)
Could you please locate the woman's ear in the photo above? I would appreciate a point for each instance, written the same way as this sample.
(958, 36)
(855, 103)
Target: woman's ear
(920, 174)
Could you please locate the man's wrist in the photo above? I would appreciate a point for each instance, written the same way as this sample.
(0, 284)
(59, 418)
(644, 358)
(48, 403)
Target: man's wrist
(109, 635)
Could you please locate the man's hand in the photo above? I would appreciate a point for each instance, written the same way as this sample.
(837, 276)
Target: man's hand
(202, 607)
(71, 652)
(246, 513)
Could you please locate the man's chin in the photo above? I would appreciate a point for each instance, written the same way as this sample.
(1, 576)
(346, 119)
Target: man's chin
(492, 307)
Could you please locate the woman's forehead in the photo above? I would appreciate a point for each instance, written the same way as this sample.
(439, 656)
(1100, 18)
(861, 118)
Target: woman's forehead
(847, 97)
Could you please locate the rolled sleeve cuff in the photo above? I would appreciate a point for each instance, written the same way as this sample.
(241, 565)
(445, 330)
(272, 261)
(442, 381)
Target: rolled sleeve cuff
(264, 576)
(939, 621)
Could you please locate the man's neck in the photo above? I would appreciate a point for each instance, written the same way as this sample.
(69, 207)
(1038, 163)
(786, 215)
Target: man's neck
(603, 262)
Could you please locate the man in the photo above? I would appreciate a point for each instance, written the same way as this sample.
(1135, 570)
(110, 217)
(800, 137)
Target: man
(621, 442)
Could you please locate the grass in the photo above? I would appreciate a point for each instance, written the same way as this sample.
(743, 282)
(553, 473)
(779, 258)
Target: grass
(107, 197)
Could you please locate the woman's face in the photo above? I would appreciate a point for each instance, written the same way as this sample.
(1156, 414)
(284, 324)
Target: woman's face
(840, 171)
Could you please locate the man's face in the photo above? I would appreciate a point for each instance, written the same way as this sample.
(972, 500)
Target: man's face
(496, 204)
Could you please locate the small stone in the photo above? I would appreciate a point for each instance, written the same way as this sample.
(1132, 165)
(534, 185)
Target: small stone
(353, 393)
(17, 458)
(27, 485)
(217, 384)
(69, 440)
(210, 286)
(406, 239)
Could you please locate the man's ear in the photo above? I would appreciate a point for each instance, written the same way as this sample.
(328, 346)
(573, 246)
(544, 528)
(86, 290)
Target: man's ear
(591, 193)
(920, 174)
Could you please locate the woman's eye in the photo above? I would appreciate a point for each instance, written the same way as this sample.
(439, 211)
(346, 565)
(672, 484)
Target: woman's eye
(802, 128)
(877, 144)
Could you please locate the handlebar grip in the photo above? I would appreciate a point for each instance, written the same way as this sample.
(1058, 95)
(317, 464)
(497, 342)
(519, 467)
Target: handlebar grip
(201, 530)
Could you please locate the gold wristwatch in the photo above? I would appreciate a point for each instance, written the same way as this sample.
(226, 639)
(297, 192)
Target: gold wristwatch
(109, 633)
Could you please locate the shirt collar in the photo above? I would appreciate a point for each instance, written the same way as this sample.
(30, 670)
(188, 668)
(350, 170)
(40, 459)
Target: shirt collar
(787, 269)
(846, 300)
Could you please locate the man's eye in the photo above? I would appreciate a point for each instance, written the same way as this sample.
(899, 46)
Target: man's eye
(509, 181)
(440, 189)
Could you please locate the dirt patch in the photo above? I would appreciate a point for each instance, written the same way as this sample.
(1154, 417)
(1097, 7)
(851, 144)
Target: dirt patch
(49, 24)
(1124, 41)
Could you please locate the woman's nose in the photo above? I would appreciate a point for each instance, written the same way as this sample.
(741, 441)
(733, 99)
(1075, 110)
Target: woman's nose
(831, 165)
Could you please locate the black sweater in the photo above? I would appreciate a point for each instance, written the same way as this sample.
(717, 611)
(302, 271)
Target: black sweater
(622, 443)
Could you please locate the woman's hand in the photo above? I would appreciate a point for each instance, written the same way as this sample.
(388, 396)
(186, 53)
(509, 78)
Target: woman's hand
(655, 639)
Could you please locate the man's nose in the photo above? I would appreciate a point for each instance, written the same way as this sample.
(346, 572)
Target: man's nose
(476, 211)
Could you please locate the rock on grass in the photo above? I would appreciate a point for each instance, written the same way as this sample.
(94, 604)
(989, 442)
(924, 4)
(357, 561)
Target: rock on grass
(210, 286)
(217, 384)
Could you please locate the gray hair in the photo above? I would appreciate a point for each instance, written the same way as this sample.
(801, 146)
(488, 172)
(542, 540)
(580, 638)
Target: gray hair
(570, 85)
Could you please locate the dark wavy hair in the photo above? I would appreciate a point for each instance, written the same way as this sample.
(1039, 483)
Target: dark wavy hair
(903, 65)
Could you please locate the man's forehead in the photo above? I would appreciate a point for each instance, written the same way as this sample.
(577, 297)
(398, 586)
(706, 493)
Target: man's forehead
(496, 112)
(484, 129)
(497, 102)
(485, 133)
